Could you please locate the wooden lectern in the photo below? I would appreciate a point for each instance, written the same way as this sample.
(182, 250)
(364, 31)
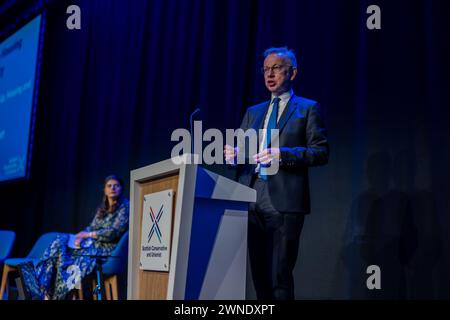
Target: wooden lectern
(208, 233)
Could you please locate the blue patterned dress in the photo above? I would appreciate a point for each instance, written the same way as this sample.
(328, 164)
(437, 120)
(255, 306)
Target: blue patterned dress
(61, 267)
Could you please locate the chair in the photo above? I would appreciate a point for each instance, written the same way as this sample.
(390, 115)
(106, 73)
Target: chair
(34, 256)
(6, 243)
(114, 266)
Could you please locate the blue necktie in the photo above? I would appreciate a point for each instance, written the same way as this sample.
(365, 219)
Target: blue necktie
(271, 124)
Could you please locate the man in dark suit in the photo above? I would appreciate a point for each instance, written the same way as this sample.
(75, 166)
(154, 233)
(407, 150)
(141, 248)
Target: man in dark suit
(276, 219)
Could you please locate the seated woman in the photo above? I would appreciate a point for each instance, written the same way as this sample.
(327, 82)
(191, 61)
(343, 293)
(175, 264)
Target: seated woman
(62, 267)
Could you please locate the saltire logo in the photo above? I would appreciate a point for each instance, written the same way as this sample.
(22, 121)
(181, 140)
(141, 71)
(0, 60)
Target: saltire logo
(155, 227)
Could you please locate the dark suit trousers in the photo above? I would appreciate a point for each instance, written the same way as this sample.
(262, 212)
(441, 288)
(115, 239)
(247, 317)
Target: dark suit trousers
(273, 241)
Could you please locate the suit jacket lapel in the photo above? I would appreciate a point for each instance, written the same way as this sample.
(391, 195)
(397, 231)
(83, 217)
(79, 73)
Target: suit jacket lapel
(259, 122)
(287, 113)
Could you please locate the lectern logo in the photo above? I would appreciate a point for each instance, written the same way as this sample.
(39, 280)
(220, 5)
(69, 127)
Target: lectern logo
(155, 231)
(155, 227)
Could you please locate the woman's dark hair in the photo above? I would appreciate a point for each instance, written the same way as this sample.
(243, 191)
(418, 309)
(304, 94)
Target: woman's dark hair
(104, 207)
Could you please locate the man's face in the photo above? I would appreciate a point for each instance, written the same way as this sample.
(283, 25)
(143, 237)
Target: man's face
(279, 74)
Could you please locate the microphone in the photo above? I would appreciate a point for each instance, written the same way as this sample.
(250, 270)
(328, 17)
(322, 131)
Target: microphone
(192, 124)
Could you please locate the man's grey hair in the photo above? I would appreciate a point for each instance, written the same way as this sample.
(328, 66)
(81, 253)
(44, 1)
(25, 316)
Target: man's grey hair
(282, 51)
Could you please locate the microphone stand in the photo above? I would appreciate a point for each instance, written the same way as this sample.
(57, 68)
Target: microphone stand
(191, 124)
(99, 290)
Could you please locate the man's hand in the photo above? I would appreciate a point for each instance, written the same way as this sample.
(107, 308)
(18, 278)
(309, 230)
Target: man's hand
(266, 156)
(230, 153)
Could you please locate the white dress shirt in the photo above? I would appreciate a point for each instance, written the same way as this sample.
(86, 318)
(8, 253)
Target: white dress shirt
(284, 99)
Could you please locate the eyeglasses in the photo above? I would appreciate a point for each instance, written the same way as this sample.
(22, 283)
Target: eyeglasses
(276, 68)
